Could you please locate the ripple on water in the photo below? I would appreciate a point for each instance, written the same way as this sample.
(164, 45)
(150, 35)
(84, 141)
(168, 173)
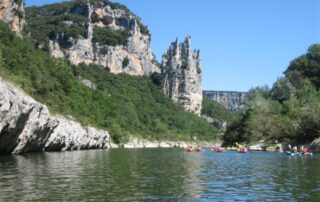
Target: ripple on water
(158, 175)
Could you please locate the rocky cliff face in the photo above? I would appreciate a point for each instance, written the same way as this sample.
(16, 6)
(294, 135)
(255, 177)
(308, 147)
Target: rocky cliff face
(230, 99)
(12, 12)
(182, 75)
(27, 126)
(133, 57)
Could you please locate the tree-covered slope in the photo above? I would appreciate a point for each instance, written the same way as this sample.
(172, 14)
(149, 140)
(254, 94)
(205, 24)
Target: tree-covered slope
(215, 110)
(123, 104)
(67, 21)
(288, 112)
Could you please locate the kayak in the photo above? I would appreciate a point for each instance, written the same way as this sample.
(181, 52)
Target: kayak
(217, 149)
(242, 150)
(307, 153)
(193, 149)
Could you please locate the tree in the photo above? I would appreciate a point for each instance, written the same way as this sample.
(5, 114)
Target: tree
(283, 90)
(308, 65)
(157, 79)
(125, 62)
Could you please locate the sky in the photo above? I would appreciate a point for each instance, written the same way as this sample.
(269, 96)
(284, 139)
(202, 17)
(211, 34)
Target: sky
(243, 43)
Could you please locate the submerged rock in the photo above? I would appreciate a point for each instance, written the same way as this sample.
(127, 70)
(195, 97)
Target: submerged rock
(27, 126)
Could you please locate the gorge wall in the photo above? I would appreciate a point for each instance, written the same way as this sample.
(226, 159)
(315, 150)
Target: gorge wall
(27, 126)
(104, 33)
(230, 99)
(181, 70)
(12, 12)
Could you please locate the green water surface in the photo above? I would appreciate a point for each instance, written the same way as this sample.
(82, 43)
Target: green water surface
(159, 175)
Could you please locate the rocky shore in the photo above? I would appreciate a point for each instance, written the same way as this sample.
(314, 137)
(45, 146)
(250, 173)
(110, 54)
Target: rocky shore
(27, 126)
(141, 143)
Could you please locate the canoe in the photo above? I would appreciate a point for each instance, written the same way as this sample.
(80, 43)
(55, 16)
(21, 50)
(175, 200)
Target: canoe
(242, 150)
(308, 153)
(218, 149)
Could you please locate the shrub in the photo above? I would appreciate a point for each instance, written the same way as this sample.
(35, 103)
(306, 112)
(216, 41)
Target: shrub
(124, 105)
(125, 62)
(108, 36)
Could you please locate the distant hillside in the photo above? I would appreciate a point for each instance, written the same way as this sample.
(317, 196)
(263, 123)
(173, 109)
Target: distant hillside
(232, 100)
(96, 32)
(124, 105)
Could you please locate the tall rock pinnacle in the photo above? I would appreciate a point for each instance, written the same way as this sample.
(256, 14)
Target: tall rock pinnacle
(182, 75)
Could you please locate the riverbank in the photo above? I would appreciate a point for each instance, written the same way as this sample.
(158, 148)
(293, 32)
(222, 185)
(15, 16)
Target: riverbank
(143, 143)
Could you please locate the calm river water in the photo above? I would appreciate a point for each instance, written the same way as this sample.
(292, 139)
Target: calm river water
(159, 175)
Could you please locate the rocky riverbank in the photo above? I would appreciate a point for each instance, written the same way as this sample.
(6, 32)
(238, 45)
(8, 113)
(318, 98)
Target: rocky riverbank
(142, 143)
(27, 126)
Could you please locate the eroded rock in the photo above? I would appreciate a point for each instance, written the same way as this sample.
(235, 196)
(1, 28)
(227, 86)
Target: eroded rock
(182, 75)
(85, 50)
(12, 13)
(27, 126)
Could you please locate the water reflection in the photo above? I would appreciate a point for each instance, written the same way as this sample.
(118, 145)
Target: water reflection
(158, 174)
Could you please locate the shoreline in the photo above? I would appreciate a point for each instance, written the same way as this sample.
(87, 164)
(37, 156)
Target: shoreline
(143, 143)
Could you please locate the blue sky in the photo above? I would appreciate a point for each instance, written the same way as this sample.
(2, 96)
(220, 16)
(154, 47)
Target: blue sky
(243, 43)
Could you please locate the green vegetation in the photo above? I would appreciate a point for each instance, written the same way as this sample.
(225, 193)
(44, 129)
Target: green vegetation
(18, 1)
(56, 22)
(69, 19)
(306, 66)
(289, 112)
(215, 110)
(144, 29)
(125, 62)
(108, 36)
(124, 105)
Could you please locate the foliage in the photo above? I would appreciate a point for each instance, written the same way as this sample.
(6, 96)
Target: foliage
(125, 62)
(283, 90)
(157, 79)
(69, 20)
(18, 1)
(308, 65)
(144, 29)
(56, 22)
(108, 36)
(215, 110)
(289, 112)
(124, 105)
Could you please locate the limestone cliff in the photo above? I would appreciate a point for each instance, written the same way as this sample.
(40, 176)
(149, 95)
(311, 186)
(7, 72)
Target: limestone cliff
(181, 70)
(102, 22)
(230, 99)
(12, 12)
(27, 126)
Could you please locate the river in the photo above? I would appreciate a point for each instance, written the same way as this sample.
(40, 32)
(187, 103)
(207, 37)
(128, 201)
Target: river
(158, 175)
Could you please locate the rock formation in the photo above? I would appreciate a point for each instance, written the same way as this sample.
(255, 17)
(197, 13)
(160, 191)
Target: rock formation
(27, 126)
(134, 58)
(12, 12)
(230, 99)
(181, 70)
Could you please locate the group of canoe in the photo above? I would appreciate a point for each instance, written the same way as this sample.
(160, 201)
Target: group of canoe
(244, 149)
(216, 149)
(193, 149)
(294, 151)
(222, 149)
